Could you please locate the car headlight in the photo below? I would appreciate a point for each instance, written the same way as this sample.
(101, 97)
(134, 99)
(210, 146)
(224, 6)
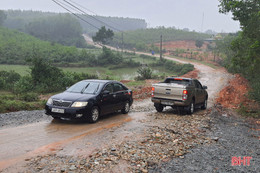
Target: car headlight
(79, 104)
(50, 101)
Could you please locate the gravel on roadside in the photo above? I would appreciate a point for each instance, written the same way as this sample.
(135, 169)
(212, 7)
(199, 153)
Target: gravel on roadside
(14, 119)
(234, 136)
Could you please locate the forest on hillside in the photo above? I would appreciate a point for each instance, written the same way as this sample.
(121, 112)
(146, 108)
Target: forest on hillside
(17, 19)
(141, 39)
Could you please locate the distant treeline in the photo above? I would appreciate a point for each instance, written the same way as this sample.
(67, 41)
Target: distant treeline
(142, 38)
(17, 19)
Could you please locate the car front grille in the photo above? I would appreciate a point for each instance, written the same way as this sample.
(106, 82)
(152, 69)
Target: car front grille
(61, 103)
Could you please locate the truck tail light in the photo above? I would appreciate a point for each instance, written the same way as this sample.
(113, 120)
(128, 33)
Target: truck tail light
(184, 95)
(152, 91)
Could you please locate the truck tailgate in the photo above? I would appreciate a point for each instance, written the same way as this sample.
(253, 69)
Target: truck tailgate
(168, 91)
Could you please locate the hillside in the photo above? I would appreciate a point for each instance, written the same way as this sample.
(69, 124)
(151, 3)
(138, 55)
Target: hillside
(16, 47)
(143, 38)
(17, 19)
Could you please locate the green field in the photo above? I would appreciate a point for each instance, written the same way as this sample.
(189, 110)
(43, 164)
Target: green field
(102, 72)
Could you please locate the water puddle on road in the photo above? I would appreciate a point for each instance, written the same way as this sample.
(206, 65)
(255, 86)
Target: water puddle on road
(22, 143)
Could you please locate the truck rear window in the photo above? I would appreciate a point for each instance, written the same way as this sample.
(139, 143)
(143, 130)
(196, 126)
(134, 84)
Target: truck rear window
(177, 81)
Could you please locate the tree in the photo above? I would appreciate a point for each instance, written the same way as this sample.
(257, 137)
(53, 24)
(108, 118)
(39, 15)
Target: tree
(199, 43)
(246, 47)
(2, 17)
(103, 35)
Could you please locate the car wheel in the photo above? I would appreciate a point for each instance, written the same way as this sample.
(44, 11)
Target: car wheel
(191, 108)
(159, 107)
(94, 115)
(205, 104)
(126, 108)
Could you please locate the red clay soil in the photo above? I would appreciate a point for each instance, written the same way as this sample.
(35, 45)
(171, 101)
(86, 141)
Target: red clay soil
(192, 74)
(181, 44)
(236, 94)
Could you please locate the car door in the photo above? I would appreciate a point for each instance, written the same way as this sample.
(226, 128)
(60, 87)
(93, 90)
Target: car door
(199, 92)
(119, 95)
(108, 100)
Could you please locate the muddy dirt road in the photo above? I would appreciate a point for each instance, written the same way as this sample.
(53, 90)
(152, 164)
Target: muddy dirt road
(52, 145)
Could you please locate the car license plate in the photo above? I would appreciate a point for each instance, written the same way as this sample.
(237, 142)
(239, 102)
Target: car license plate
(56, 110)
(167, 103)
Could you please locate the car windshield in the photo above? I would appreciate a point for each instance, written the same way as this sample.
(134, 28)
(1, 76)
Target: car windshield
(84, 87)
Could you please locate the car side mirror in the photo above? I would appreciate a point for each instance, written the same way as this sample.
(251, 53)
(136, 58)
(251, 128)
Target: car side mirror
(204, 87)
(106, 92)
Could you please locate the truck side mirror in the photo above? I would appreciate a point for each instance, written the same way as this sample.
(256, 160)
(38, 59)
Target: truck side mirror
(204, 87)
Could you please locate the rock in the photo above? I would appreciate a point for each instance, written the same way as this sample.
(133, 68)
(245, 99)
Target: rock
(215, 138)
(73, 167)
(63, 170)
(113, 149)
(82, 162)
(144, 170)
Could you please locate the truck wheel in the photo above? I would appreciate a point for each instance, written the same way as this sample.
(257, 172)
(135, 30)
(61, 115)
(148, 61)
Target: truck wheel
(94, 115)
(204, 106)
(159, 108)
(126, 108)
(191, 108)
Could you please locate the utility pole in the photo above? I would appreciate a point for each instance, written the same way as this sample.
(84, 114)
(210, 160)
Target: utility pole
(122, 42)
(161, 49)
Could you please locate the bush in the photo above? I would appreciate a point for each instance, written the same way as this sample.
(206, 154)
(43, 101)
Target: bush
(29, 97)
(144, 73)
(173, 67)
(25, 84)
(8, 79)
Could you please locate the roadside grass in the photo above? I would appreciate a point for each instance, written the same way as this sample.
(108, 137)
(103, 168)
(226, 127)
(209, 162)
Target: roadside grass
(10, 102)
(248, 112)
(21, 69)
(108, 72)
(135, 83)
(196, 61)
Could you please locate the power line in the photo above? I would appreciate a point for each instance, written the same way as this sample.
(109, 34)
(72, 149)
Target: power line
(60, 4)
(91, 16)
(92, 12)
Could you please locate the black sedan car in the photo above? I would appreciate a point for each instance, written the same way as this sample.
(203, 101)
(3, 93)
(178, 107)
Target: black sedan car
(89, 99)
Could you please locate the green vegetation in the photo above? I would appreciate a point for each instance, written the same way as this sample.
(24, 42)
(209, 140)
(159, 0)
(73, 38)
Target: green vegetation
(2, 17)
(62, 28)
(244, 51)
(177, 69)
(143, 39)
(199, 43)
(17, 47)
(17, 19)
(103, 35)
(10, 102)
(144, 73)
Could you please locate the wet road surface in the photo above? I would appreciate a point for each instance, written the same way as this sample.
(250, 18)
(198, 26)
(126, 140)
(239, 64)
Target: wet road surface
(18, 144)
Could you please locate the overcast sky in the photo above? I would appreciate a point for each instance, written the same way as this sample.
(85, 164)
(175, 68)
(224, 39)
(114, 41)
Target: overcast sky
(178, 13)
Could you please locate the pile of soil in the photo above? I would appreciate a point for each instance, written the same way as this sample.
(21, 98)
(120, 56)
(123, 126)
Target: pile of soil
(192, 74)
(235, 95)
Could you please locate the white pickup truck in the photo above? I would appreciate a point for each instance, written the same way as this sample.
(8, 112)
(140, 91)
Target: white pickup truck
(178, 92)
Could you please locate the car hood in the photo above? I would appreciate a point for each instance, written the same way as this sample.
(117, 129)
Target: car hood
(67, 96)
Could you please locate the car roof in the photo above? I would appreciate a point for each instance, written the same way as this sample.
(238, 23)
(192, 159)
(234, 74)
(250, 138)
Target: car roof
(181, 78)
(100, 80)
